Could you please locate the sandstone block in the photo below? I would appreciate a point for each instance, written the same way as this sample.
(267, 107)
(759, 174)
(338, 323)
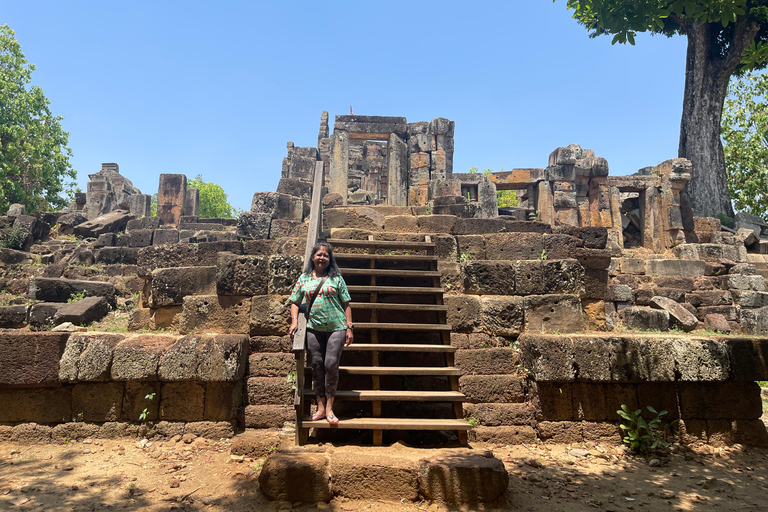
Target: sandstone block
(222, 400)
(135, 401)
(356, 477)
(493, 415)
(182, 401)
(726, 400)
(296, 478)
(463, 479)
(271, 364)
(748, 359)
(254, 226)
(270, 315)
(675, 268)
(241, 275)
(502, 315)
(213, 313)
(742, 282)
(112, 222)
(170, 285)
(97, 402)
(645, 319)
(681, 316)
(31, 359)
(493, 388)
(268, 416)
(61, 290)
(513, 435)
(269, 391)
(353, 217)
(137, 358)
(514, 246)
(489, 277)
(463, 312)
(284, 272)
(207, 357)
(82, 312)
(487, 361)
(13, 317)
(46, 405)
(549, 358)
(553, 313)
(561, 432)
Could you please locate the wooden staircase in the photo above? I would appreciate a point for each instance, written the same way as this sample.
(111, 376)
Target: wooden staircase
(399, 374)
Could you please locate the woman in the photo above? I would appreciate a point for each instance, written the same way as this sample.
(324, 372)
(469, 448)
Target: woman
(329, 327)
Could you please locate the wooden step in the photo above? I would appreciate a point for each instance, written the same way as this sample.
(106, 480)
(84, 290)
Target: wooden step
(388, 272)
(401, 327)
(383, 244)
(391, 424)
(400, 290)
(397, 307)
(393, 396)
(399, 370)
(400, 347)
(384, 257)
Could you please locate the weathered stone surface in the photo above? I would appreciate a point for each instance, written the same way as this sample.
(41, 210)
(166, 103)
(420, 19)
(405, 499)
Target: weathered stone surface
(88, 357)
(502, 315)
(675, 268)
(353, 217)
(684, 318)
(241, 275)
(748, 358)
(742, 282)
(46, 405)
(83, 311)
(487, 361)
(550, 313)
(102, 401)
(170, 285)
(254, 445)
(645, 319)
(16, 209)
(494, 415)
(361, 477)
(463, 478)
(112, 222)
(489, 277)
(493, 388)
(67, 222)
(30, 358)
(41, 315)
(268, 416)
(61, 290)
(206, 357)
(64, 432)
(294, 478)
(514, 246)
(222, 400)
(270, 315)
(118, 255)
(13, 317)
(284, 272)
(30, 433)
(514, 435)
(214, 313)
(724, 400)
(548, 358)
(271, 364)
(182, 401)
(561, 432)
(463, 312)
(137, 358)
(754, 321)
(253, 226)
(135, 400)
(716, 322)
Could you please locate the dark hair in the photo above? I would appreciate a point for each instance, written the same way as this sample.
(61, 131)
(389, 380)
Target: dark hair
(333, 268)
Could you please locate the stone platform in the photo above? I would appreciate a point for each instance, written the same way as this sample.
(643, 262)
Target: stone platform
(317, 473)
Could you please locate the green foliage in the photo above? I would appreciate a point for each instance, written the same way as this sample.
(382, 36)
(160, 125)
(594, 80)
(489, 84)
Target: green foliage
(506, 198)
(13, 238)
(153, 205)
(34, 157)
(213, 200)
(726, 220)
(744, 129)
(291, 379)
(473, 421)
(145, 413)
(543, 256)
(464, 257)
(642, 435)
(76, 297)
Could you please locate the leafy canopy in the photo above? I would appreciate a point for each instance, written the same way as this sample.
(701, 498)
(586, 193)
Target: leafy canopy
(504, 198)
(213, 200)
(34, 157)
(625, 18)
(744, 130)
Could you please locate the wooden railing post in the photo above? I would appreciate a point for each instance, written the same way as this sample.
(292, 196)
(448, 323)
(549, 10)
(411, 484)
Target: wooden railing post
(300, 338)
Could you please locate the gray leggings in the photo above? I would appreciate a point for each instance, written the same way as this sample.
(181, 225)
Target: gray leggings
(325, 351)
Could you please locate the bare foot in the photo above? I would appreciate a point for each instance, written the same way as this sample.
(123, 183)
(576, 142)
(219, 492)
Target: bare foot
(318, 416)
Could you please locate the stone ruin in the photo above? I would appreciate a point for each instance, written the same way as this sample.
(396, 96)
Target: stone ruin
(561, 310)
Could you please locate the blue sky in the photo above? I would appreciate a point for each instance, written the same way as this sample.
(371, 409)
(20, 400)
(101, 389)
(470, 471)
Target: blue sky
(218, 88)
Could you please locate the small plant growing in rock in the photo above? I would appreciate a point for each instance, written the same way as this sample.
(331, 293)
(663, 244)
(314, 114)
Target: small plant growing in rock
(473, 421)
(543, 255)
(76, 297)
(145, 413)
(642, 435)
(464, 257)
(13, 238)
(291, 379)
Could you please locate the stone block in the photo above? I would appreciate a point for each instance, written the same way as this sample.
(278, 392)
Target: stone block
(561, 432)
(712, 298)
(46, 405)
(493, 388)
(137, 358)
(112, 222)
(30, 433)
(472, 245)
(254, 226)
(41, 315)
(68, 222)
(742, 282)
(61, 290)
(278, 364)
(748, 358)
(502, 315)
(171, 197)
(489, 277)
(436, 223)
(13, 317)
(241, 275)
(681, 316)
(514, 246)
(353, 217)
(494, 415)
(284, 272)
(118, 256)
(268, 416)
(165, 236)
(644, 319)
(550, 313)
(589, 401)
(514, 435)
(213, 313)
(463, 312)
(170, 285)
(547, 357)
(135, 401)
(488, 361)
(295, 478)
(150, 223)
(88, 357)
(725, 400)
(182, 401)
(680, 268)
(271, 343)
(270, 315)
(82, 312)
(463, 478)
(206, 357)
(555, 400)
(30, 359)
(401, 224)
(269, 391)
(64, 432)
(222, 400)
(356, 477)
(717, 322)
(632, 266)
(97, 402)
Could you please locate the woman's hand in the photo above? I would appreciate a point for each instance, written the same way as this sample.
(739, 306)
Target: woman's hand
(349, 338)
(293, 328)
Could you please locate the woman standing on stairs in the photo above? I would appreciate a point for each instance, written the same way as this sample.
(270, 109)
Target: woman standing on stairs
(329, 324)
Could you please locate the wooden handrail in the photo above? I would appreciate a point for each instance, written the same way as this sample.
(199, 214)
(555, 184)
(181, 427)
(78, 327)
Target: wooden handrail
(300, 337)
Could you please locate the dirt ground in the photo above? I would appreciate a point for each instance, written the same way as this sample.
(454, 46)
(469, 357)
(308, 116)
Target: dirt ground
(202, 475)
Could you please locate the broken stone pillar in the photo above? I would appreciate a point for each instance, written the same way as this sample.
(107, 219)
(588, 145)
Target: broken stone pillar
(653, 227)
(323, 133)
(397, 169)
(192, 202)
(545, 210)
(418, 179)
(171, 196)
(339, 171)
(140, 205)
(302, 163)
(487, 200)
(441, 157)
(98, 198)
(616, 230)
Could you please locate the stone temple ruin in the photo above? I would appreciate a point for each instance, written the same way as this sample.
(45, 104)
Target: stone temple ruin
(537, 321)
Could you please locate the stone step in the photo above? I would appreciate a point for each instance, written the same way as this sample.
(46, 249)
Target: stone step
(390, 396)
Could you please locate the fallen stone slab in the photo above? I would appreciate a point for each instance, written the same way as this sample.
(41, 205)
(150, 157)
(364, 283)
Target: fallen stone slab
(645, 319)
(82, 312)
(61, 290)
(12, 256)
(69, 221)
(41, 315)
(112, 222)
(684, 318)
(463, 478)
(13, 317)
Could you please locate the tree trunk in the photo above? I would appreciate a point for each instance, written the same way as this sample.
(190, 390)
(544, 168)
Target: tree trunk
(707, 73)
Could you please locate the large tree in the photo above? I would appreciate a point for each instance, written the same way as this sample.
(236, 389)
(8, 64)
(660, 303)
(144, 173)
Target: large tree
(725, 37)
(213, 200)
(34, 157)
